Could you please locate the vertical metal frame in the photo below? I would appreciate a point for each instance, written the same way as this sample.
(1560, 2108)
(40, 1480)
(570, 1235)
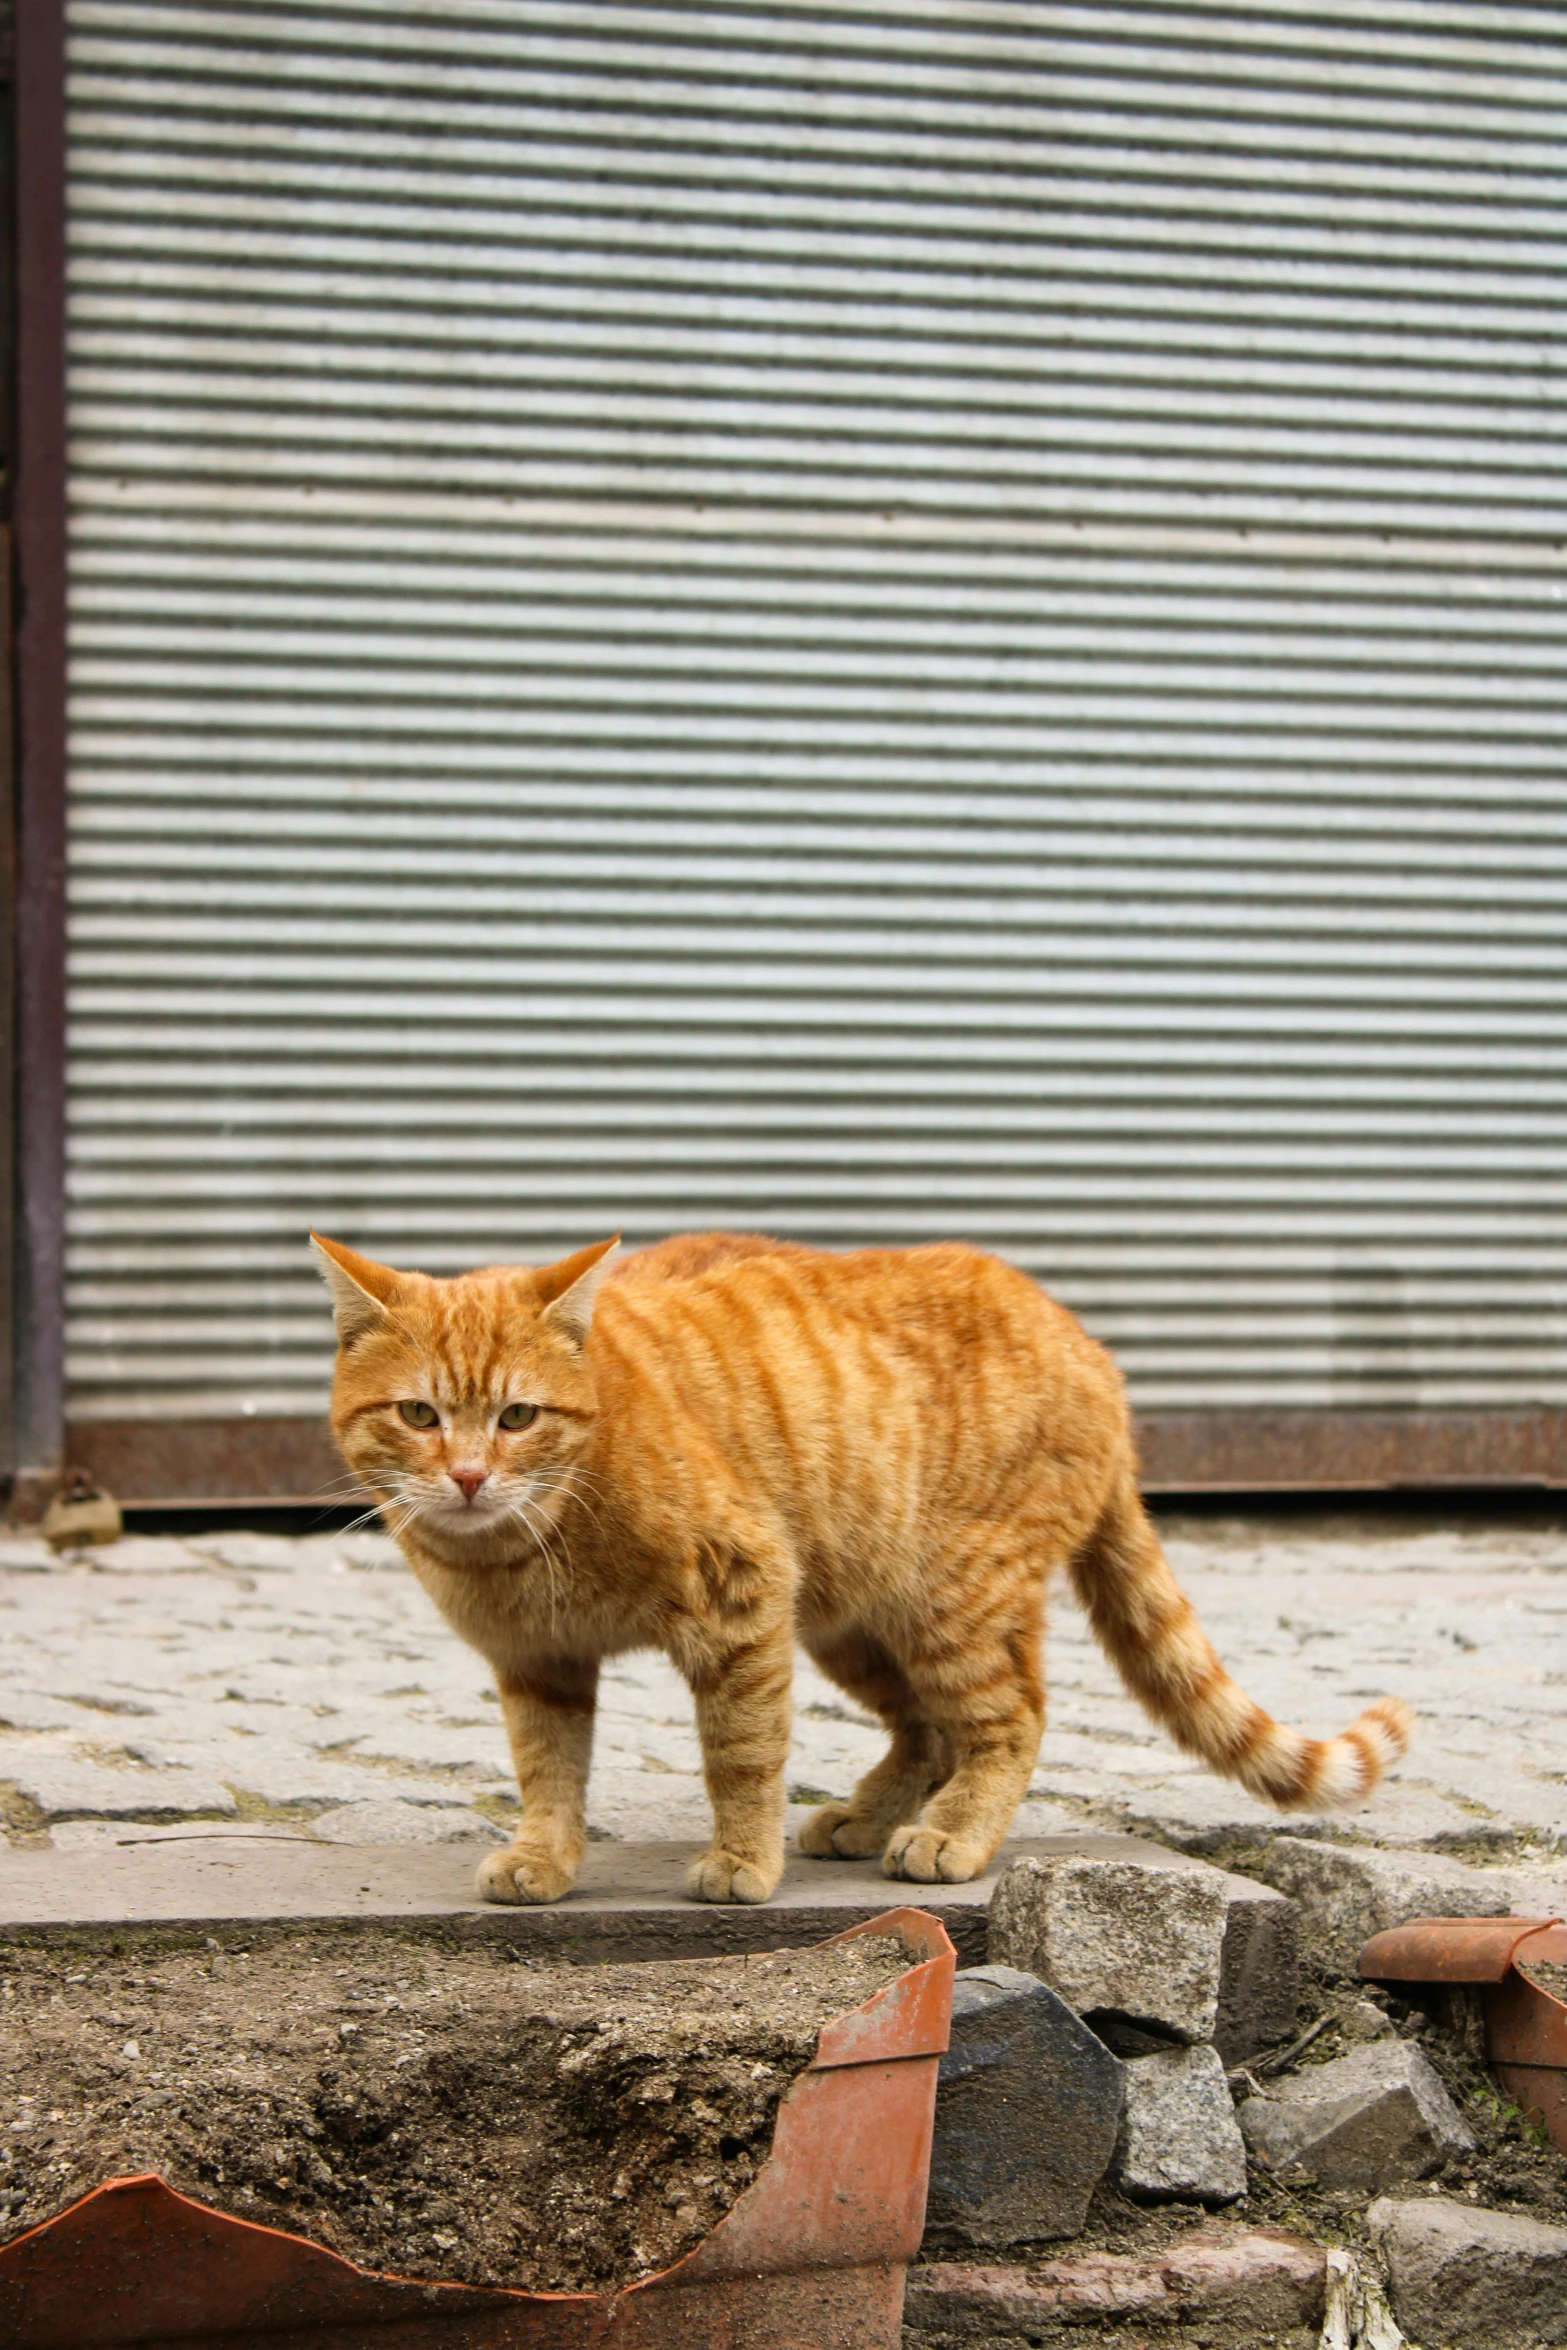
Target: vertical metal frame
(38, 1349)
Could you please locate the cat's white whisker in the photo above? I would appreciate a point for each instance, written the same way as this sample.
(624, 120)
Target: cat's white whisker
(355, 1525)
(565, 1481)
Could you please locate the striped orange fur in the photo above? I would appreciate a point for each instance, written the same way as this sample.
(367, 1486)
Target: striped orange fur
(725, 1444)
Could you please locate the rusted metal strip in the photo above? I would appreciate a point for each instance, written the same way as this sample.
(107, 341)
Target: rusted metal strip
(1256, 1449)
(278, 1458)
(260, 1460)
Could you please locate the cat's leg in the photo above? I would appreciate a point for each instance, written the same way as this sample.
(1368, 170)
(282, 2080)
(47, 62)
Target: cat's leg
(977, 1674)
(549, 1721)
(743, 1690)
(917, 1761)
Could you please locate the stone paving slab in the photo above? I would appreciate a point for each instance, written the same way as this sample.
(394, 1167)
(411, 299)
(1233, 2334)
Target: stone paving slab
(250, 1875)
(281, 1681)
(628, 1901)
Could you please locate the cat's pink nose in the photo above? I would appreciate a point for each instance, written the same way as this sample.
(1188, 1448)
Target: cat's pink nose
(470, 1480)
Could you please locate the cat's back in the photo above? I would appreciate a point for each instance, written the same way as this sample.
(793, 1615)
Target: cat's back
(864, 1395)
(945, 1312)
(689, 1254)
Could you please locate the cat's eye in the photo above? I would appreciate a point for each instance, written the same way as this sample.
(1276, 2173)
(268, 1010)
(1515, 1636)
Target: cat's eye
(420, 1415)
(518, 1415)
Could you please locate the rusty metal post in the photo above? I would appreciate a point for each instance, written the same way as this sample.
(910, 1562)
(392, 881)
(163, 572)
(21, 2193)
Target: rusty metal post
(39, 1317)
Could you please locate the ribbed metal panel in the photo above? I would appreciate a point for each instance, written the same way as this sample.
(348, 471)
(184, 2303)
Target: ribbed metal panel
(876, 622)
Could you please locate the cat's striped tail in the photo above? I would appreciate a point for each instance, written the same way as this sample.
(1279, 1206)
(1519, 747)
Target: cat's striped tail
(1150, 1631)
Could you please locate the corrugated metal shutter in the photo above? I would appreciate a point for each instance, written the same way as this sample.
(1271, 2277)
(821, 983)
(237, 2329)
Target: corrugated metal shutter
(875, 622)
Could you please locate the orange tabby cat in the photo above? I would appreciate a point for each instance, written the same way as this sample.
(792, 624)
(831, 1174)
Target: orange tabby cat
(730, 1444)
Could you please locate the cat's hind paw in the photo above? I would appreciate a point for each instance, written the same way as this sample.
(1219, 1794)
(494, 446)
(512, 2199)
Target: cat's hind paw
(835, 1831)
(521, 1873)
(931, 1857)
(722, 1876)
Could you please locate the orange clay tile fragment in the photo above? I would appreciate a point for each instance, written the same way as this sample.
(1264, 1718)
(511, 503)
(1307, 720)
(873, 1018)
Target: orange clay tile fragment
(1525, 2022)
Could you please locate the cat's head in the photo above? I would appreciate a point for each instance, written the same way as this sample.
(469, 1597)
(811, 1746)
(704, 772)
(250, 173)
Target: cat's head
(464, 1403)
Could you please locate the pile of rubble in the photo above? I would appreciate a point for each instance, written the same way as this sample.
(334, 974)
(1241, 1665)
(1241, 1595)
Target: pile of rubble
(1129, 2092)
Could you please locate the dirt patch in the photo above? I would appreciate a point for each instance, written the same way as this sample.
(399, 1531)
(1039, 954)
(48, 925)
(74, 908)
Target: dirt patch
(458, 2113)
(1548, 1973)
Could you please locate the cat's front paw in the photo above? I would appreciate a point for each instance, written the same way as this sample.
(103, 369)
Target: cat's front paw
(835, 1831)
(524, 1873)
(722, 1876)
(931, 1857)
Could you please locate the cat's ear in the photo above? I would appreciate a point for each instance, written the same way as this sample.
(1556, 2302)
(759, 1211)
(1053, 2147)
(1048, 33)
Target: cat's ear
(361, 1289)
(570, 1288)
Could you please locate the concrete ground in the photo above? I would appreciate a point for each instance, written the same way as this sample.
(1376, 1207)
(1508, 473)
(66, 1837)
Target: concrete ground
(306, 1688)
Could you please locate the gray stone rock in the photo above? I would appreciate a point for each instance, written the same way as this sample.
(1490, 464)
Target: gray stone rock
(1259, 1970)
(1368, 2119)
(1539, 1889)
(1027, 2106)
(62, 1784)
(249, 1553)
(26, 1554)
(1259, 1956)
(146, 1554)
(1467, 2279)
(1179, 2138)
(1348, 1892)
(1115, 1937)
